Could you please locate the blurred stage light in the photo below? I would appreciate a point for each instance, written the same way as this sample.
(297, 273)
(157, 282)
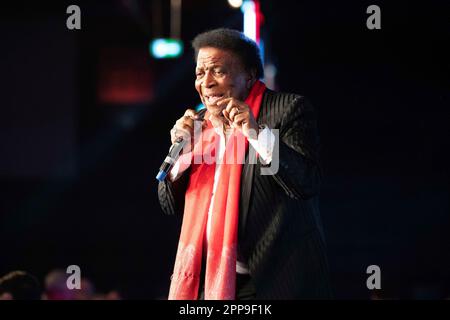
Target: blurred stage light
(125, 77)
(248, 8)
(166, 48)
(252, 22)
(235, 3)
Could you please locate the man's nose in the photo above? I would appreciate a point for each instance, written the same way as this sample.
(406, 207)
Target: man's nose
(209, 80)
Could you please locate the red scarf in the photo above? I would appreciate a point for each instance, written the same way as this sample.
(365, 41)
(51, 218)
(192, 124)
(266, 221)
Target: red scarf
(220, 275)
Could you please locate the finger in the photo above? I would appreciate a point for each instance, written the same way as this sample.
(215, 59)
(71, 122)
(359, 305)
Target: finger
(172, 135)
(225, 113)
(185, 121)
(231, 104)
(240, 119)
(186, 126)
(175, 134)
(186, 134)
(229, 107)
(223, 102)
(173, 131)
(191, 114)
(182, 128)
(234, 111)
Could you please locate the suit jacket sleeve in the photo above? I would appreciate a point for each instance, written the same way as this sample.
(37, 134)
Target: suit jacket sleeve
(299, 173)
(171, 194)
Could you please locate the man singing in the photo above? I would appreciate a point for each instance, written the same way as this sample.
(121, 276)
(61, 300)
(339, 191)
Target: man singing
(251, 229)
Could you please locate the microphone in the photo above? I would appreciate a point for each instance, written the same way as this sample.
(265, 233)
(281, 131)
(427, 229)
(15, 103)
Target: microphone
(174, 153)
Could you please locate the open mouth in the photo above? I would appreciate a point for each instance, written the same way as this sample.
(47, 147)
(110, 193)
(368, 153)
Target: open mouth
(212, 99)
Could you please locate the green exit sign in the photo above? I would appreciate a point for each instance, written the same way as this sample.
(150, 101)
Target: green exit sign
(166, 48)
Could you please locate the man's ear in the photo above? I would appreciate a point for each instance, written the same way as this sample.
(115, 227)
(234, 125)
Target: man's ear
(251, 79)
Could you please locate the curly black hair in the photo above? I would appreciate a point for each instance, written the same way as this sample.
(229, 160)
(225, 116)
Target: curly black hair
(232, 40)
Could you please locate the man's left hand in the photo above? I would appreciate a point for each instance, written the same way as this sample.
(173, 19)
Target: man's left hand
(240, 116)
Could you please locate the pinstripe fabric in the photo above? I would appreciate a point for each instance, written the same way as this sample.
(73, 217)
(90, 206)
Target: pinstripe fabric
(280, 233)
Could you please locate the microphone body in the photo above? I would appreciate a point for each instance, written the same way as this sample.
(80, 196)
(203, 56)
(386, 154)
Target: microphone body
(174, 153)
(172, 157)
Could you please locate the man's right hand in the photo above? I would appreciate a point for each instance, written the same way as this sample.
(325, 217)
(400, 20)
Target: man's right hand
(184, 127)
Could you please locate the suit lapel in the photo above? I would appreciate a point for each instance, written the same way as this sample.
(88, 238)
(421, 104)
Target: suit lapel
(246, 190)
(247, 176)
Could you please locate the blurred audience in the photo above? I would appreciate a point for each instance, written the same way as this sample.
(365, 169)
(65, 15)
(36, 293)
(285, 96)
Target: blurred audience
(19, 285)
(86, 291)
(56, 286)
(56, 289)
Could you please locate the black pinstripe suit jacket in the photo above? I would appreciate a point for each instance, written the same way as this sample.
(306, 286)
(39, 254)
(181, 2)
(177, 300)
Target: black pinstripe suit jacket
(280, 233)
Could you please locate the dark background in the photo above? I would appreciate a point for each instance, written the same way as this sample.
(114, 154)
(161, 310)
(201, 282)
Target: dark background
(79, 152)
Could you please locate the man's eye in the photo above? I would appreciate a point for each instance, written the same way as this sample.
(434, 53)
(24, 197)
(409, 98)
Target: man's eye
(199, 74)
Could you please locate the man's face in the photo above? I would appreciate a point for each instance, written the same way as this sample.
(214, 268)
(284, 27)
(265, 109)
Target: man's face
(220, 74)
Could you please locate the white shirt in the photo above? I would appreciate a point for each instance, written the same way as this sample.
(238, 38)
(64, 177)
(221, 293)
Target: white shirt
(263, 146)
